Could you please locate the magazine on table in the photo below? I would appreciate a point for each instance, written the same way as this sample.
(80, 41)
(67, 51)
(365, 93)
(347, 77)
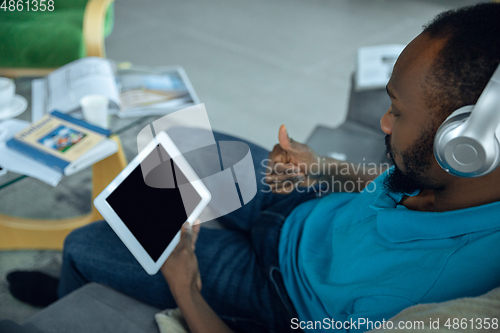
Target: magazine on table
(64, 143)
(132, 91)
(154, 90)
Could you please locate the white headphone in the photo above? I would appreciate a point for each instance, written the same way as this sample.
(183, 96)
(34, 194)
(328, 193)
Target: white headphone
(466, 143)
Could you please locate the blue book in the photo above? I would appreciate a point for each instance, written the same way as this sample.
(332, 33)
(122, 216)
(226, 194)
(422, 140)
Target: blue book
(64, 143)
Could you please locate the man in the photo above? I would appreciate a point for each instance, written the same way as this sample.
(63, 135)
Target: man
(286, 262)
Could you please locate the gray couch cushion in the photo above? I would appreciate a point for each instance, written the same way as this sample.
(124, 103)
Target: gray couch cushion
(96, 308)
(8, 326)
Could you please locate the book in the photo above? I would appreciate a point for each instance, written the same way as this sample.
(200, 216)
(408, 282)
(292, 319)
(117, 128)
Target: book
(374, 65)
(64, 143)
(132, 91)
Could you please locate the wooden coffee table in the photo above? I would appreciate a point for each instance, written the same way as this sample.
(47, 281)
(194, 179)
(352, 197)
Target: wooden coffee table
(34, 215)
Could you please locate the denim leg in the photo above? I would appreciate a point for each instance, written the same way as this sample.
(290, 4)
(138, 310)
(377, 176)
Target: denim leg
(243, 217)
(243, 283)
(234, 284)
(239, 266)
(94, 253)
(239, 271)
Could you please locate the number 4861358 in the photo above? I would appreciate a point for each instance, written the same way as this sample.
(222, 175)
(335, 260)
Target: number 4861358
(27, 5)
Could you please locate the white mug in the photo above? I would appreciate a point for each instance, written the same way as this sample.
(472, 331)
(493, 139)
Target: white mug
(7, 92)
(95, 110)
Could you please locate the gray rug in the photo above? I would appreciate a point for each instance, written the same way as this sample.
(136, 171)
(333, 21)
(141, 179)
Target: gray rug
(46, 261)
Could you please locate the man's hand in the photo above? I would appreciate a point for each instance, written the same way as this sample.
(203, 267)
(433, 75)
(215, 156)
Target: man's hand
(183, 277)
(181, 268)
(291, 164)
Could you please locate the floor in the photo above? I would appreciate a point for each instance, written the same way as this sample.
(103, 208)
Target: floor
(256, 64)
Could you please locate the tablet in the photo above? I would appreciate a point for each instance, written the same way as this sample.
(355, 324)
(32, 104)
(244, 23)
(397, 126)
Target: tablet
(147, 203)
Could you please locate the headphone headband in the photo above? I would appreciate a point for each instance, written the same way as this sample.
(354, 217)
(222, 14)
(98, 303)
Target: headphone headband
(465, 144)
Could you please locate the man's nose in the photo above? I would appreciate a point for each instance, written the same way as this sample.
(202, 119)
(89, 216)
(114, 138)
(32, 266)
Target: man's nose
(386, 123)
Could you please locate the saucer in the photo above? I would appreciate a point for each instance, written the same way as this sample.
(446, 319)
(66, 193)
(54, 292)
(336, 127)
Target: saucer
(18, 106)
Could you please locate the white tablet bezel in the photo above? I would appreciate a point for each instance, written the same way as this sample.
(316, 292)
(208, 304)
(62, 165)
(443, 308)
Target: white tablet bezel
(119, 227)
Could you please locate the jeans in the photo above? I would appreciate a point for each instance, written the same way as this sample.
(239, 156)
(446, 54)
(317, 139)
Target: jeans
(239, 265)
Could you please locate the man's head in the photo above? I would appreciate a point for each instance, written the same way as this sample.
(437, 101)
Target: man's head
(446, 67)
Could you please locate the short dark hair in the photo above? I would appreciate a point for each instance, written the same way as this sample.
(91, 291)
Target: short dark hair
(468, 58)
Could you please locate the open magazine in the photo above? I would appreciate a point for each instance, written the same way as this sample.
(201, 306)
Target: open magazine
(131, 91)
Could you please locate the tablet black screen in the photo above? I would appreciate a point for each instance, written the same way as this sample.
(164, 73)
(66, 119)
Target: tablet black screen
(153, 215)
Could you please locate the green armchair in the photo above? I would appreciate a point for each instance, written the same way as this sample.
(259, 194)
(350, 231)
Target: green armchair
(37, 42)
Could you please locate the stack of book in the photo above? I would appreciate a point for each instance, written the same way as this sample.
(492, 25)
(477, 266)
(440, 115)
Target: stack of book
(60, 142)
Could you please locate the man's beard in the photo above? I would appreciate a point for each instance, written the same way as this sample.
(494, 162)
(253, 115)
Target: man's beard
(417, 161)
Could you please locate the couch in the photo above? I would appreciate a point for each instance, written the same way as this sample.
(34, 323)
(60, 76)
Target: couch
(97, 308)
(93, 308)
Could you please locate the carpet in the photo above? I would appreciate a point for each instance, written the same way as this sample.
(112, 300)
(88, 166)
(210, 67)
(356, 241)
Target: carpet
(46, 261)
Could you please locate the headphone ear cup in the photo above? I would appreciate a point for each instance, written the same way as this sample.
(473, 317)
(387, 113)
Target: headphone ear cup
(461, 154)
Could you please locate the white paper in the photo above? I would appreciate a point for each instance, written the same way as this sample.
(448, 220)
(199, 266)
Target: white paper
(374, 65)
(62, 89)
(17, 162)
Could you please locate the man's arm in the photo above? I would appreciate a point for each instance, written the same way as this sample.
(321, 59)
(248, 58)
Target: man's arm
(183, 277)
(293, 164)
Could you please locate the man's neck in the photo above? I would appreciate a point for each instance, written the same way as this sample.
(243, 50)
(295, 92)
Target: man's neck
(463, 193)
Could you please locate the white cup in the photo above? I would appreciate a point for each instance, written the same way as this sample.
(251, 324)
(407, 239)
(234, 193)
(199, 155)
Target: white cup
(95, 110)
(7, 92)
